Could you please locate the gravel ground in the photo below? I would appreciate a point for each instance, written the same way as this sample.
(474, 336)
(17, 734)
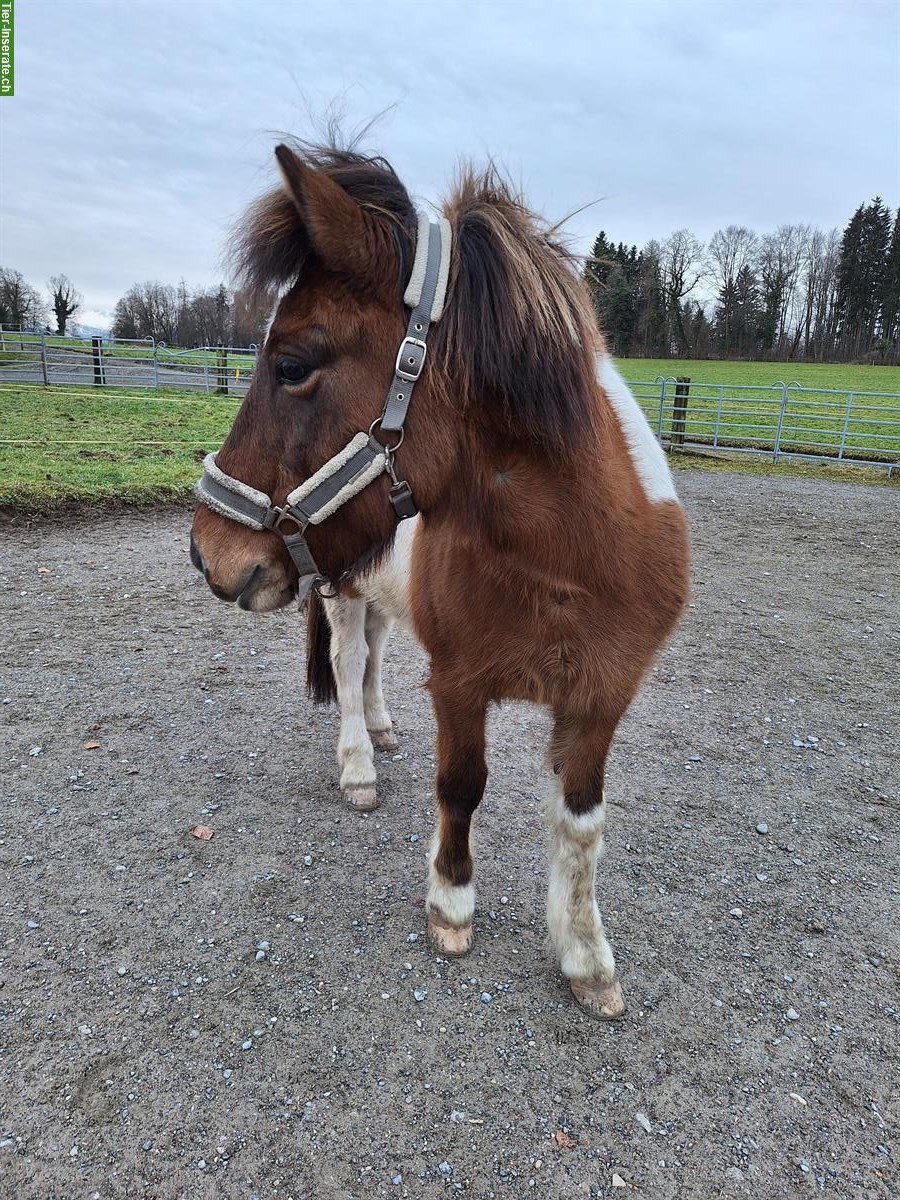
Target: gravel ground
(260, 1015)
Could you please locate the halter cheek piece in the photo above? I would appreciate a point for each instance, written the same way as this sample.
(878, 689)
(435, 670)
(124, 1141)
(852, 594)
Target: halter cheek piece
(364, 458)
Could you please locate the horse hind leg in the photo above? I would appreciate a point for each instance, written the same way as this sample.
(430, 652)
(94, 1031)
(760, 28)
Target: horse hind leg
(576, 813)
(349, 654)
(378, 719)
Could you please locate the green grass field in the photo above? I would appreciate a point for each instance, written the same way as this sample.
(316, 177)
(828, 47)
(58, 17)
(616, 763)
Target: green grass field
(98, 445)
(839, 376)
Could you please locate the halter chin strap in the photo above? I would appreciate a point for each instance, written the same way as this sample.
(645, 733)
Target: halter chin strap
(364, 458)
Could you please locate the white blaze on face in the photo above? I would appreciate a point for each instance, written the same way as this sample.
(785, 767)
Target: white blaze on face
(646, 453)
(280, 295)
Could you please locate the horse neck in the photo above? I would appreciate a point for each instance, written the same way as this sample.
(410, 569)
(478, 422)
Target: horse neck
(517, 494)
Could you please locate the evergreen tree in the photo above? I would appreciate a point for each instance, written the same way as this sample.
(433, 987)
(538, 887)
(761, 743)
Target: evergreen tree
(597, 268)
(862, 273)
(619, 311)
(650, 328)
(890, 298)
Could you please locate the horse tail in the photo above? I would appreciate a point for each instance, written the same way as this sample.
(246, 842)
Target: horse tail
(320, 681)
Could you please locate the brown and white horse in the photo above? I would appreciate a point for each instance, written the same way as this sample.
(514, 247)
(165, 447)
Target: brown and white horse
(550, 559)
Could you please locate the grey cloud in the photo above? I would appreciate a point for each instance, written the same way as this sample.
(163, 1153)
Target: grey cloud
(140, 131)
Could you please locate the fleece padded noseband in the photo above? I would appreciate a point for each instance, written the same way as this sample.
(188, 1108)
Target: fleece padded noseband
(364, 458)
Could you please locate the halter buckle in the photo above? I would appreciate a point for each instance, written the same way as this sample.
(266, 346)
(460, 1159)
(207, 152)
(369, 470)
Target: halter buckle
(410, 359)
(285, 514)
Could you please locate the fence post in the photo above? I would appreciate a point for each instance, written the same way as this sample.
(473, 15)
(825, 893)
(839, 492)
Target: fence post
(44, 359)
(846, 423)
(679, 409)
(776, 449)
(719, 415)
(97, 356)
(221, 370)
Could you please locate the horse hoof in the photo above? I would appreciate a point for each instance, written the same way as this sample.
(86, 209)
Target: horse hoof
(452, 940)
(362, 799)
(384, 739)
(603, 1000)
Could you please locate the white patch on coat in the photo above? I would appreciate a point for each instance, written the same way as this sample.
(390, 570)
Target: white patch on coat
(388, 587)
(279, 296)
(646, 453)
(573, 918)
(455, 904)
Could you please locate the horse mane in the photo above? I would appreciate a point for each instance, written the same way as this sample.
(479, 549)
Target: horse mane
(518, 336)
(518, 331)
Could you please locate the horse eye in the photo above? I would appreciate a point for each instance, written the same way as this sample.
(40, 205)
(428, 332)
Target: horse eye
(292, 370)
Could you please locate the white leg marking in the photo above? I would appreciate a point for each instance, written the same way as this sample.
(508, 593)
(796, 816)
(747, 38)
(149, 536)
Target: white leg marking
(455, 904)
(348, 658)
(646, 453)
(378, 628)
(573, 918)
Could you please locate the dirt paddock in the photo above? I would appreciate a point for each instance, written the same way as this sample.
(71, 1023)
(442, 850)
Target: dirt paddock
(259, 1015)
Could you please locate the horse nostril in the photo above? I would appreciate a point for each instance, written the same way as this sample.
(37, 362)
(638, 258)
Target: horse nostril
(197, 558)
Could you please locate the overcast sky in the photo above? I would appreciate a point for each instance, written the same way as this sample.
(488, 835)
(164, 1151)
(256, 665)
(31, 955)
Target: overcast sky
(139, 130)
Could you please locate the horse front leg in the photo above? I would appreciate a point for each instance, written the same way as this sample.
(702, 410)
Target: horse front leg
(576, 814)
(461, 776)
(349, 654)
(378, 719)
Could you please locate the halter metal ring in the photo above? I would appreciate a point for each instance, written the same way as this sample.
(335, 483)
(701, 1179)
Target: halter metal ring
(396, 446)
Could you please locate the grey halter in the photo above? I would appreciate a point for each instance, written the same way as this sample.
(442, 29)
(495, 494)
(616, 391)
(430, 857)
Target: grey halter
(364, 458)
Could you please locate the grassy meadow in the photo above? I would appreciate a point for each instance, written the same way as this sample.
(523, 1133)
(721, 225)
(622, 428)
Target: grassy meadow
(87, 444)
(835, 376)
(68, 444)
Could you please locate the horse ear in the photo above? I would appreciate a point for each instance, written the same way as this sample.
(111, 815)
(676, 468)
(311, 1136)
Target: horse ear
(347, 239)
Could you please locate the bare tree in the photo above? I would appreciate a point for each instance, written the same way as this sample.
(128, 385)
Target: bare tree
(730, 250)
(21, 305)
(778, 263)
(66, 301)
(682, 267)
(147, 310)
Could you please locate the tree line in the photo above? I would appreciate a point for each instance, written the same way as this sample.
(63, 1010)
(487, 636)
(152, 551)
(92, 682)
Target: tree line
(797, 293)
(177, 316)
(202, 317)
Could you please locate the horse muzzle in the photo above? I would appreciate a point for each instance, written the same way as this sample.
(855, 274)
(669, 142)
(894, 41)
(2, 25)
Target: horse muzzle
(241, 566)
